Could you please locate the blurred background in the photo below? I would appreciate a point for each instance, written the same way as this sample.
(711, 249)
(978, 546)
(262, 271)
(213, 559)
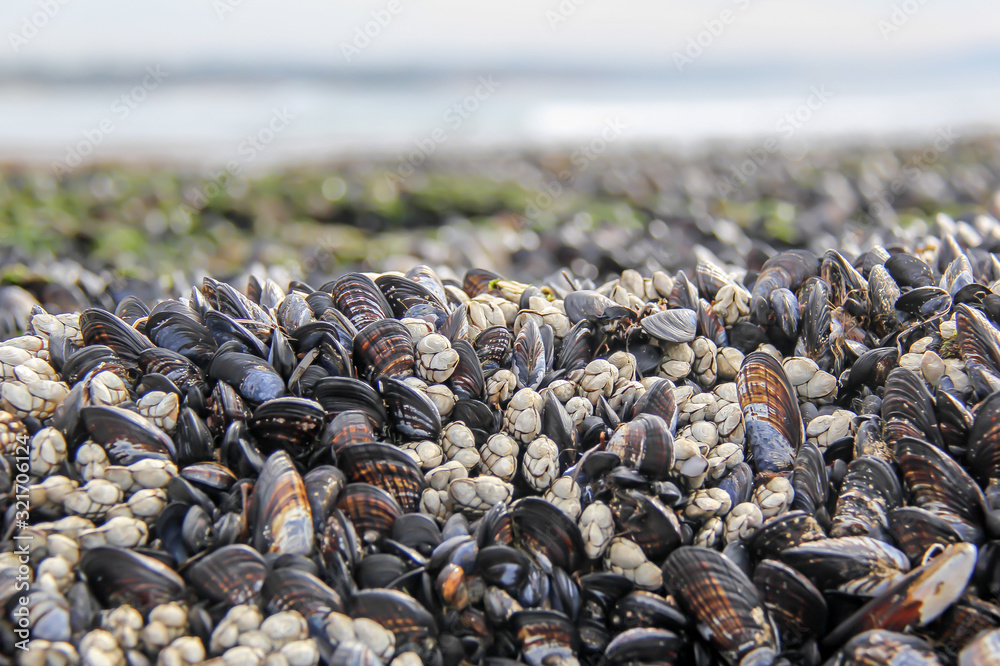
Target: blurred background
(225, 135)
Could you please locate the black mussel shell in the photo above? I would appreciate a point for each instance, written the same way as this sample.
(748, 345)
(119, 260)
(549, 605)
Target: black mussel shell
(545, 636)
(908, 271)
(540, 526)
(340, 394)
(403, 293)
(467, 380)
(353, 426)
(586, 305)
(279, 509)
(412, 414)
(289, 424)
(182, 372)
(940, 484)
(398, 612)
(371, 509)
(722, 598)
(119, 576)
(797, 607)
(783, 532)
(232, 574)
(774, 429)
(252, 377)
(294, 589)
(659, 401)
(384, 348)
(127, 436)
(359, 298)
(492, 346)
(387, 467)
(323, 486)
(643, 645)
(176, 331)
(529, 362)
(644, 444)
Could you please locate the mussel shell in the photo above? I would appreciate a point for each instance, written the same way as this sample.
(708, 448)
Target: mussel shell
(916, 599)
(797, 607)
(370, 508)
(924, 302)
(384, 348)
(225, 329)
(400, 613)
(418, 531)
(872, 368)
(722, 598)
(95, 358)
(251, 377)
(816, 323)
(127, 436)
(585, 305)
(915, 530)
(677, 325)
(529, 361)
(983, 455)
(279, 509)
(119, 576)
(647, 522)
(908, 409)
(232, 574)
(809, 480)
(938, 483)
(359, 298)
(492, 346)
(640, 608)
(578, 347)
(467, 380)
(412, 414)
(100, 327)
(545, 636)
(832, 563)
(783, 532)
(340, 394)
(645, 444)
(908, 271)
(181, 333)
(771, 413)
(290, 424)
(658, 400)
(293, 589)
(785, 270)
(353, 426)
(323, 486)
(539, 526)
(387, 467)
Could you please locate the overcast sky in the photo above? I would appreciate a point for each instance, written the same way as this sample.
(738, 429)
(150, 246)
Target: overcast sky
(116, 34)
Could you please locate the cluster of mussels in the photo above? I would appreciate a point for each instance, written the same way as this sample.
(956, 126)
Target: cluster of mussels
(786, 466)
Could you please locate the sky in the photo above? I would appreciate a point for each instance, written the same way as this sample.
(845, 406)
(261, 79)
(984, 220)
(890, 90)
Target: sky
(681, 69)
